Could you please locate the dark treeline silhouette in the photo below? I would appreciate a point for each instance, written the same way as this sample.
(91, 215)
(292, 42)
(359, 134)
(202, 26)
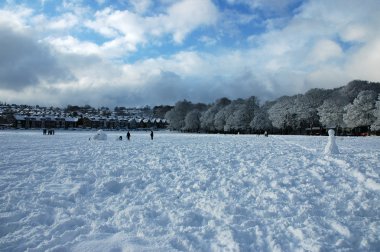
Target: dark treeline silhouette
(352, 109)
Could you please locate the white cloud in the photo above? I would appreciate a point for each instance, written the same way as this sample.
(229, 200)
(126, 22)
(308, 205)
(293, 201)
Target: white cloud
(180, 19)
(141, 6)
(26, 62)
(100, 2)
(364, 63)
(271, 6)
(355, 33)
(64, 22)
(324, 50)
(208, 41)
(188, 15)
(308, 46)
(79, 8)
(110, 23)
(124, 29)
(71, 45)
(15, 19)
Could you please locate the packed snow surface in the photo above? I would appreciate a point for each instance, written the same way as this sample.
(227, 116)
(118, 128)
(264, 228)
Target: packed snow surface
(187, 192)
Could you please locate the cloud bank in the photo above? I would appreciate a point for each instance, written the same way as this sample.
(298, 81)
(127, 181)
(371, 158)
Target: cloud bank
(24, 62)
(138, 53)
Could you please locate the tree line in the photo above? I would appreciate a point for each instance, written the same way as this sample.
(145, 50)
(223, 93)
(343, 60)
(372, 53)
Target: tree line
(355, 106)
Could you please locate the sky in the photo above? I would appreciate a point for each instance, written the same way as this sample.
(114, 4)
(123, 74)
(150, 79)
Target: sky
(157, 52)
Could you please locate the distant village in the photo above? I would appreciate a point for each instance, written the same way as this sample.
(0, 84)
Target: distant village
(13, 116)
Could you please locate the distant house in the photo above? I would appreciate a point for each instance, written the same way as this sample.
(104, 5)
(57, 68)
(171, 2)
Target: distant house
(112, 123)
(28, 122)
(159, 123)
(89, 122)
(123, 122)
(95, 122)
(20, 121)
(39, 122)
(132, 123)
(60, 122)
(48, 122)
(71, 122)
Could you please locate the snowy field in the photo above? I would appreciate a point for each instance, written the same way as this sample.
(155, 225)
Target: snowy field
(184, 192)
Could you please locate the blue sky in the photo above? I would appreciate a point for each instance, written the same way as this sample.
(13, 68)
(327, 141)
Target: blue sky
(152, 52)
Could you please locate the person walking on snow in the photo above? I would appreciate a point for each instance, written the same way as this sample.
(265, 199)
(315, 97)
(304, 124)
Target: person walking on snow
(128, 135)
(151, 134)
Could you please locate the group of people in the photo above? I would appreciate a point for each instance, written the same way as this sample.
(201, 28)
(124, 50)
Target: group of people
(49, 131)
(265, 133)
(129, 135)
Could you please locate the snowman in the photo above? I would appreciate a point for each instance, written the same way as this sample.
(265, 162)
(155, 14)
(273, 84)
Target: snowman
(331, 147)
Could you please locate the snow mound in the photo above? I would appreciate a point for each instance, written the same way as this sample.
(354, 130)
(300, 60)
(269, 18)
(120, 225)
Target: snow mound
(331, 147)
(100, 135)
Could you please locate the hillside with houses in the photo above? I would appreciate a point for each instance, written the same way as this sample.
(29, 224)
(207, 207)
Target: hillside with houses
(86, 117)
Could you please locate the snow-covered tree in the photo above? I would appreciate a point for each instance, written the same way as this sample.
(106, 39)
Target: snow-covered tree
(238, 120)
(376, 112)
(208, 117)
(306, 107)
(360, 112)
(243, 114)
(282, 113)
(353, 88)
(225, 118)
(261, 120)
(176, 116)
(251, 108)
(192, 121)
(221, 117)
(331, 112)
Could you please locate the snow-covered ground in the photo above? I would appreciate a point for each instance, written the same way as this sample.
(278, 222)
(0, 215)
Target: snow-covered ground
(187, 192)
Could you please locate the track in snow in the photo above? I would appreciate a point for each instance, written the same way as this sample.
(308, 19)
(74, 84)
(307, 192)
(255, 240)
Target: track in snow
(187, 192)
